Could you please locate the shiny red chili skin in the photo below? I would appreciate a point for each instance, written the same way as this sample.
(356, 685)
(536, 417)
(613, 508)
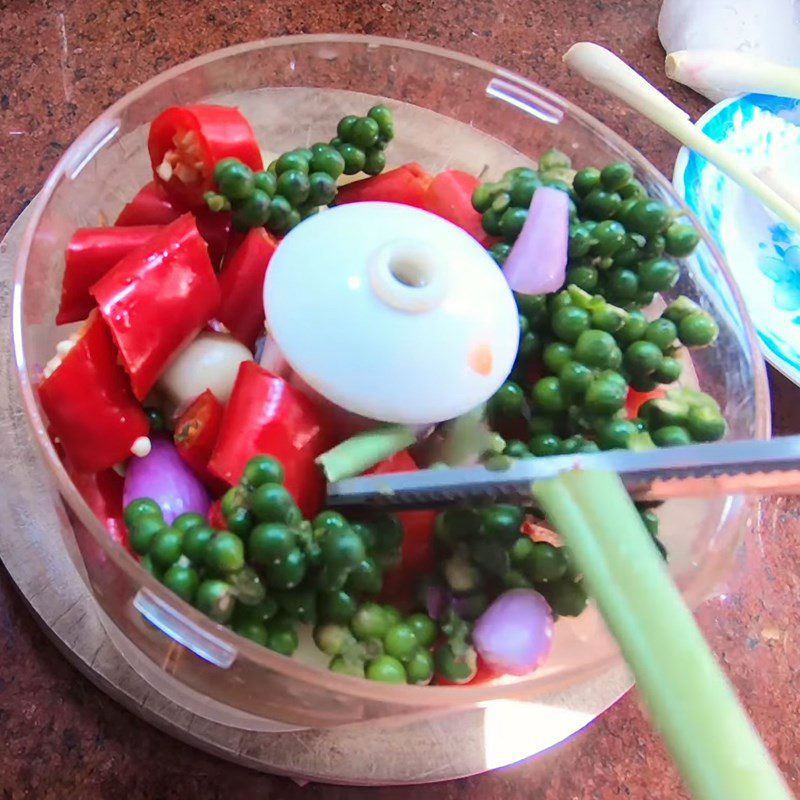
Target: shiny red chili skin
(151, 206)
(196, 434)
(222, 132)
(102, 492)
(267, 416)
(241, 286)
(157, 299)
(449, 196)
(406, 185)
(89, 403)
(215, 228)
(91, 253)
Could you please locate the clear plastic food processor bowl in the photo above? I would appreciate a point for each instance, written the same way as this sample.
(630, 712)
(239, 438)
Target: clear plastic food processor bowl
(450, 112)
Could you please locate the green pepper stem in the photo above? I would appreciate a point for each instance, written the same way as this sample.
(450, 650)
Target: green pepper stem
(691, 701)
(364, 450)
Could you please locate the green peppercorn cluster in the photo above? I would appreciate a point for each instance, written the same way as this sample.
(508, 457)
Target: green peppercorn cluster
(270, 569)
(300, 181)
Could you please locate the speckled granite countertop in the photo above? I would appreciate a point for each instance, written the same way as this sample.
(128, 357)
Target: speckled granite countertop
(63, 62)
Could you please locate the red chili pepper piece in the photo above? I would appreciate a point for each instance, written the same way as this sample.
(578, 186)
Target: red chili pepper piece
(215, 228)
(91, 253)
(241, 284)
(216, 519)
(417, 550)
(196, 434)
(406, 185)
(265, 415)
(191, 140)
(157, 299)
(450, 196)
(484, 674)
(150, 206)
(89, 403)
(636, 400)
(102, 492)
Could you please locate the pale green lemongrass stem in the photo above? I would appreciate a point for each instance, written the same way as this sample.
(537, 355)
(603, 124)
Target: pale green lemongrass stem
(602, 68)
(356, 455)
(731, 74)
(689, 698)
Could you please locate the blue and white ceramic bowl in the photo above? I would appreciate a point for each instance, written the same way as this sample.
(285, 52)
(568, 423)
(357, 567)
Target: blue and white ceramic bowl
(763, 252)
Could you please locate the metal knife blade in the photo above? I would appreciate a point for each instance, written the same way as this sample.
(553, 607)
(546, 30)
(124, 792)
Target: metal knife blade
(732, 467)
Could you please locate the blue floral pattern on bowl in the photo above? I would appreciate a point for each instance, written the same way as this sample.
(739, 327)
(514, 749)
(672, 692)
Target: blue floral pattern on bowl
(762, 252)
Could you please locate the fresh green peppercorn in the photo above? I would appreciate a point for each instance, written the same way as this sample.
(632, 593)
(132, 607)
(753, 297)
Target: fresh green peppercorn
(634, 328)
(234, 180)
(511, 222)
(165, 547)
(554, 159)
(502, 522)
(370, 622)
(327, 159)
(271, 502)
(521, 550)
(282, 636)
(215, 599)
(544, 444)
(648, 217)
(383, 116)
(252, 212)
(155, 418)
(499, 252)
(225, 553)
(365, 577)
(516, 449)
(594, 348)
(354, 158)
(575, 379)
(622, 212)
(705, 424)
(615, 434)
(615, 176)
(586, 180)
(632, 188)
(333, 639)
(508, 400)
(482, 197)
(697, 329)
(254, 631)
(580, 241)
(420, 667)
(148, 566)
(142, 534)
(608, 318)
(400, 642)
(584, 277)
(662, 333)
(329, 520)
(321, 189)
(555, 302)
(262, 469)
(668, 371)
(459, 668)
(547, 395)
(670, 436)
(425, 629)
(491, 222)
(363, 132)
(566, 597)
(522, 190)
(570, 322)
(266, 182)
(386, 669)
(185, 522)
(658, 274)
(681, 239)
(345, 126)
(279, 211)
(182, 580)
(140, 508)
(336, 607)
(609, 236)
(374, 161)
(195, 542)
(240, 522)
(262, 611)
(293, 184)
(547, 563)
(289, 572)
(622, 284)
(342, 548)
(679, 308)
(642, 357)
(605, 395)
(344, 666)
(599, 204)
(555, 355)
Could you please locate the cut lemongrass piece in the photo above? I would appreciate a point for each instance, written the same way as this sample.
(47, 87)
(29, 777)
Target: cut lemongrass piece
(689, 698)
(780, 183)
(729, 74)
(602, 68)
(356, 455)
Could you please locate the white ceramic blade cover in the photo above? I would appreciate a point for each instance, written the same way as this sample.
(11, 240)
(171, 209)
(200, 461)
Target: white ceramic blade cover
(391, 312)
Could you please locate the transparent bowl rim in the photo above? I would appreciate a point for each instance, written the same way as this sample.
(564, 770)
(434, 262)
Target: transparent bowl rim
(418, 696)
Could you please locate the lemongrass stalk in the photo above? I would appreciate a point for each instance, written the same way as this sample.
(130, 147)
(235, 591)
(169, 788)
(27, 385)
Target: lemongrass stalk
(604, 69)
(364, 450)
(729, 74)
(689, 698)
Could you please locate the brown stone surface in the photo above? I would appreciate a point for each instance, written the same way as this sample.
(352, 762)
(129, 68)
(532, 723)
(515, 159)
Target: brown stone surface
(63, 62)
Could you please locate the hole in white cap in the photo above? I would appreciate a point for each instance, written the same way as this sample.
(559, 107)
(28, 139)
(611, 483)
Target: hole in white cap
(412, 266)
